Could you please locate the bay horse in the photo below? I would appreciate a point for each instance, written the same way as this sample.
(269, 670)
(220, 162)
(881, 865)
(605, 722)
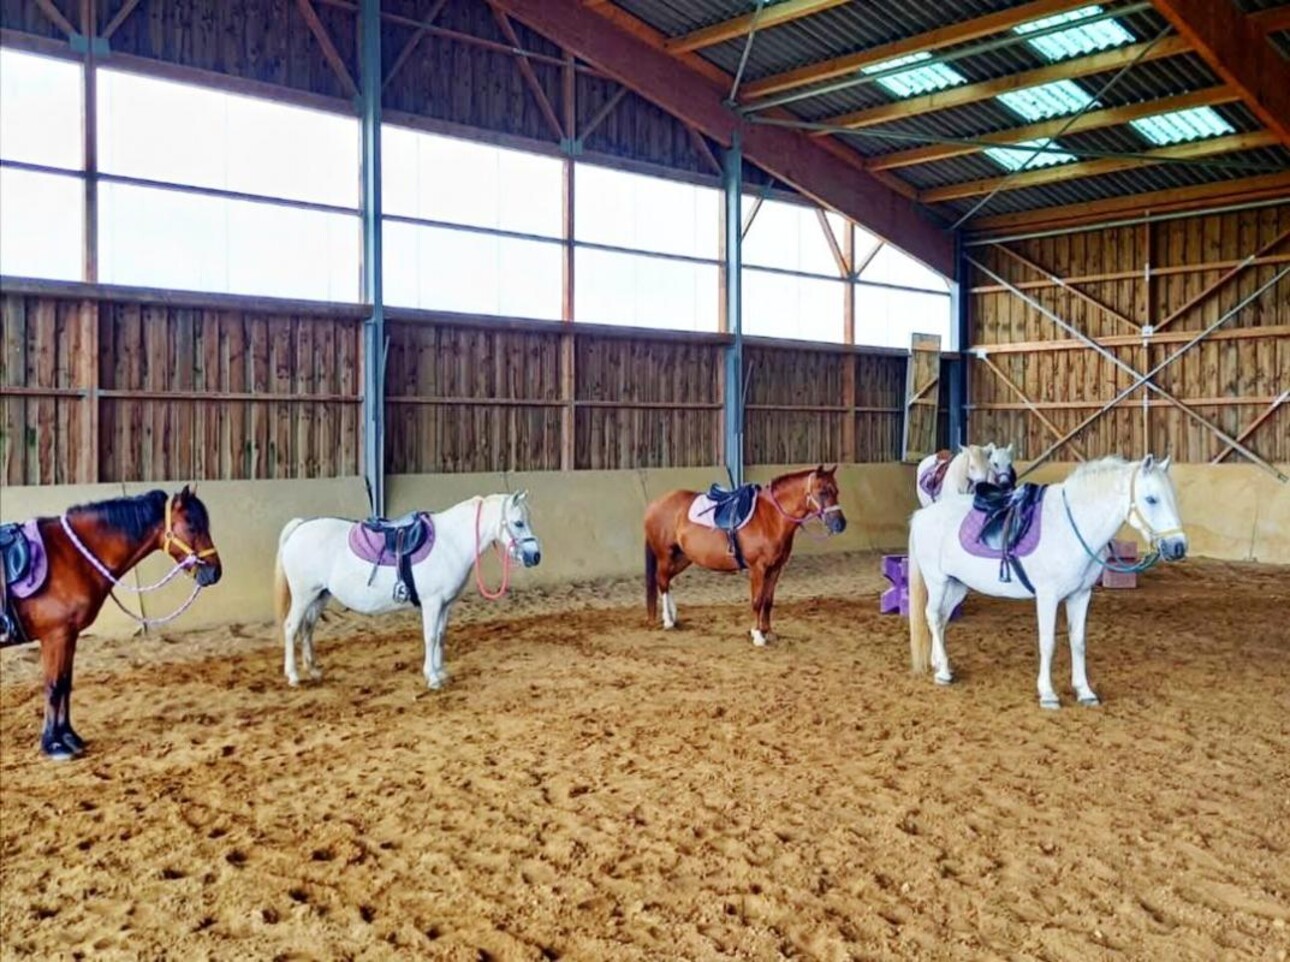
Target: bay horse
(317, 561)
(673, 542)
(1065, 544)
(89, 549)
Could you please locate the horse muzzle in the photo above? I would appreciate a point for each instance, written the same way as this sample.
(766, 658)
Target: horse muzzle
(208, 573)
(1174, 548)
(530, 552)
(836, 522)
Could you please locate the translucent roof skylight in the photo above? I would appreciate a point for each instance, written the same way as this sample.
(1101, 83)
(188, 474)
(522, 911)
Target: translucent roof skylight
(1081, 38)
(919, 80)
(1011, 158)
(1183, 125)
(1047, 100)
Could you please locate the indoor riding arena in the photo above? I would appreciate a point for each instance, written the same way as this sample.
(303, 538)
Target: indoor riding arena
(511, 274)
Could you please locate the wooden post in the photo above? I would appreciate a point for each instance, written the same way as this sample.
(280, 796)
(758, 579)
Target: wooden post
(568, 381)
(88, 375)
(849, 454)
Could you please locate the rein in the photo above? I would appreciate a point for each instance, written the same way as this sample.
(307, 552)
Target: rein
(505, 556)
(191, 558)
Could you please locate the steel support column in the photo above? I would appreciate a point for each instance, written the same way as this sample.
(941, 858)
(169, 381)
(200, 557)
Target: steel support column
(731, 181)
(960, 298)
(373, 287)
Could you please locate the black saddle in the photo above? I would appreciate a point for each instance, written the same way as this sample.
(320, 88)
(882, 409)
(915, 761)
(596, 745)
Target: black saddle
(15, 559)
(1009, 513)
(15, 552)
(404, 536)
(731, 507)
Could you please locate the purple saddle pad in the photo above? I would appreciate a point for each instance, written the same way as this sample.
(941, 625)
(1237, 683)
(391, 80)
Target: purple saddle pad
(370, 545)
(970, 534)
(37, 568)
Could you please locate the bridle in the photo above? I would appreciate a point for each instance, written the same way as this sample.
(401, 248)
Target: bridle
(1154, 536)
(191, 555)
(820, 512)
(1142, 524)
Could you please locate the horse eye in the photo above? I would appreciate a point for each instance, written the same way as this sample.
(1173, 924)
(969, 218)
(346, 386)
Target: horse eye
(1152, 499)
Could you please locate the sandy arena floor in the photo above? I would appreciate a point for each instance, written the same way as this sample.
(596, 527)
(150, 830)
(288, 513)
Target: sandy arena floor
(592, 788)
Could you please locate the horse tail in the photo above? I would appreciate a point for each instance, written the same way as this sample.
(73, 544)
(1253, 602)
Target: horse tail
(651, 583)
(281, 587)
(920, 637)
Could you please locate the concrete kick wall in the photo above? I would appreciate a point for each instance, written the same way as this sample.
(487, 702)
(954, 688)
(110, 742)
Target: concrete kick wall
(589, 522)
(1233, 512)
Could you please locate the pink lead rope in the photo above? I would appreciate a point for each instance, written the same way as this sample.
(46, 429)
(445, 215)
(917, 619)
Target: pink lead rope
(506, 562)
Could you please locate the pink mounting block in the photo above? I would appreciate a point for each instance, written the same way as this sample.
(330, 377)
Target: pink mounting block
(1126, 553)
(703, 511)
(370, 545)
(37, 569)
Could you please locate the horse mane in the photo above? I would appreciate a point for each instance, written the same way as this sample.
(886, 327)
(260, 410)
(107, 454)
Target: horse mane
(134, 516)
(1099, 469)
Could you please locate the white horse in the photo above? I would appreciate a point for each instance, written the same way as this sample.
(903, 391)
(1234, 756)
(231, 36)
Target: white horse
(965, 471)
(315, 563)
(1000, 461)
(1077, 519)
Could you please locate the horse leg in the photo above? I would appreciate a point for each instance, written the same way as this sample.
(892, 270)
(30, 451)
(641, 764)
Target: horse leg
(433, 623)
(757, 581)
(291, 627)
(768, 602)
(312, 613)
(1076, 616)
(1046, 611)
(942, 595)
(57, 650)
(668, 568)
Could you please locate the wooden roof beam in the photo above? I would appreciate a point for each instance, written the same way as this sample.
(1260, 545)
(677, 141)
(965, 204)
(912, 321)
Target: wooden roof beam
(1093, 120)
(1100, 165)
(931, 40)
(1272, 20)
(1235, 49)
(771, 16)
(973, 93)
(1242, 190)
(688, 93)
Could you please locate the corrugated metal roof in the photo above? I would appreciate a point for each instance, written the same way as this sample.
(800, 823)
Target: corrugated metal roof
(863, 24)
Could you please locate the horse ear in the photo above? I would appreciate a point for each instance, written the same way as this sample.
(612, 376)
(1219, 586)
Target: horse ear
(1009, 448)
(1148, 464)
(963, 449)
(989, 448)
(1164, 465)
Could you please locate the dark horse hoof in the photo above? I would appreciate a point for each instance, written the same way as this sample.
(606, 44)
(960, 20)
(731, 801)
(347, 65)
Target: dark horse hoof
(60, 749)
(74, 741)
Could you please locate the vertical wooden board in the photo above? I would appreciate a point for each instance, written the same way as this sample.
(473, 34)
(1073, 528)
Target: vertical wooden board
(284, 461)
(13, 373)
(42, 364)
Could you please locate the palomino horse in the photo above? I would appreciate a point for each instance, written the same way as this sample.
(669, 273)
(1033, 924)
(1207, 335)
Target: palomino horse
(88, 551)
(317, 561)
(673, 542)
(960, 473)
(1065, 546)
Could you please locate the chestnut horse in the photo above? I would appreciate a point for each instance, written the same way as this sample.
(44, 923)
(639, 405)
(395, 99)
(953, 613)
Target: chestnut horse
(89, 549)
(673, 542)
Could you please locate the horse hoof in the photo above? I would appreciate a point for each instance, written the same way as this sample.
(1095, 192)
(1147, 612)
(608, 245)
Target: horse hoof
(1050, 704)
(946, 680)
(74, 742)
(1090, 701)
(57, 752)
(758, 638)
(293, 681)
(315, 674)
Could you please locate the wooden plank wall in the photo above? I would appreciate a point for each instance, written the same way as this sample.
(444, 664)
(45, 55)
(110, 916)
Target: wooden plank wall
(797, 407)
(120, 391)
(1230, 379)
